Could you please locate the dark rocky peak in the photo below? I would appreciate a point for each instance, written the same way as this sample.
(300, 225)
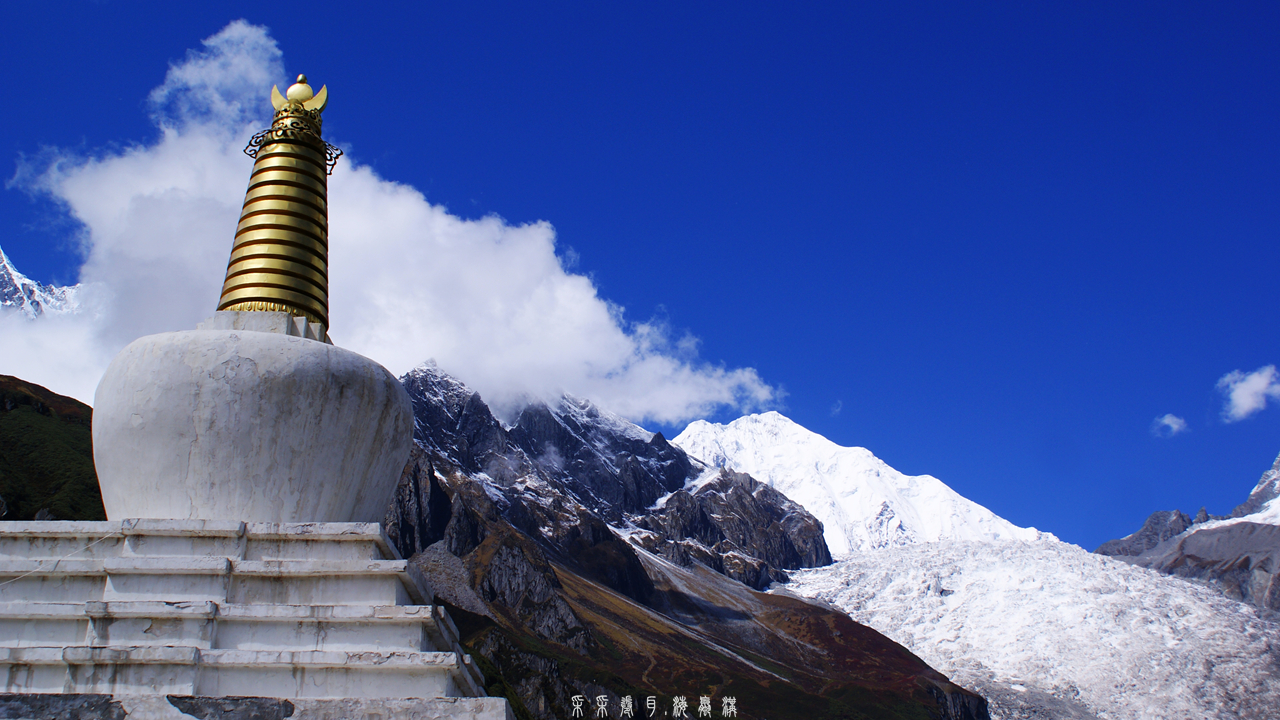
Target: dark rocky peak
(734, 525)
(610, 465)
(450, 418)
(1160, 526)
(1203, 516)
(1267, 489)
(616, 464)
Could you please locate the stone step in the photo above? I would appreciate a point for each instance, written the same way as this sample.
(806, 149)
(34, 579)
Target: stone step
(217, 579)
(206, 625)
(230, 539)
(261, 673)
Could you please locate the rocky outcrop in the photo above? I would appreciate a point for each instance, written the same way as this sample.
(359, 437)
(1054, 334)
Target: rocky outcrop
(735, 526)
(1239, 554)
(550, 630)
(1267, 489)
(1241, 559)
(1160, 526)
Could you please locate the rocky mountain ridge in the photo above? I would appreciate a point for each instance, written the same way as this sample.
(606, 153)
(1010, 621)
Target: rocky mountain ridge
(1239, 554)
(560, 471)
(32, 298)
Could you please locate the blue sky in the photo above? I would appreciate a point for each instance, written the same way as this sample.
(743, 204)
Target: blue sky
(989, 242)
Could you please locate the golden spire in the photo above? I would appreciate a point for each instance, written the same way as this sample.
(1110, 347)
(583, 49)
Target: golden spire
(280, 257)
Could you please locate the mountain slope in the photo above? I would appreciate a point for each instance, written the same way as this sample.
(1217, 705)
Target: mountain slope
(46, 456)
(862, 503)
(31, 298)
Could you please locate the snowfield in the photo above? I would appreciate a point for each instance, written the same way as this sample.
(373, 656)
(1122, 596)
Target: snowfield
(1045, 629)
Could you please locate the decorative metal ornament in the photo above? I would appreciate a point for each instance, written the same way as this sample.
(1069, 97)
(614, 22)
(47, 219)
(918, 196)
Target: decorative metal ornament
(280, 256)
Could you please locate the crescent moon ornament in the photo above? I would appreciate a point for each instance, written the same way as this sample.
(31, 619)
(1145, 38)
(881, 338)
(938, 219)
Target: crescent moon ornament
(277, 100)
(319, 101)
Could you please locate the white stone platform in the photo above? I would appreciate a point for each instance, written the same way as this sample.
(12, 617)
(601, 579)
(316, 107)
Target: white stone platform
(321, 615)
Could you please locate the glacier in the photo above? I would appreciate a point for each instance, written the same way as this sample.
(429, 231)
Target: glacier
(1044, 629)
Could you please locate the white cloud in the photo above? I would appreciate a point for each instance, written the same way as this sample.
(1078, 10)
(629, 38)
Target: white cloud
(1168, 425)
(1246, 394)
(491, 302)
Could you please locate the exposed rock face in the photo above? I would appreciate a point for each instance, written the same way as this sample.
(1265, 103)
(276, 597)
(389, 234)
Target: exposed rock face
(1242, 559)
(573, 473)
(1160, 526)
(725, 512)
(1267, 489)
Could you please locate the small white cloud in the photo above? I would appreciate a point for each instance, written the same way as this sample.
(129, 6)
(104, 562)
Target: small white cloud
(1246, 394)
(836, 408)
(1168, 425)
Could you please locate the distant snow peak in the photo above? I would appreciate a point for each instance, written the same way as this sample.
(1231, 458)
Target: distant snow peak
(32, 298)
(862, 502)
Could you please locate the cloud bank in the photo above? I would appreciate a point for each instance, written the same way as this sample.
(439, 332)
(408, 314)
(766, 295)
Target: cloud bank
(1246, 394)
(490, 302)
(1168, 425)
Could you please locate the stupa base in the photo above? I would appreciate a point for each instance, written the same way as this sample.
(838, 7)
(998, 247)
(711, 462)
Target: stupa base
(224, 619)
(24, 706)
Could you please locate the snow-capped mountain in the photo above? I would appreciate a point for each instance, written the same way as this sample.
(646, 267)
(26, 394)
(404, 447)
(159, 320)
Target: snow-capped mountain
(1047, 630)
(32, 298)
(862, 502)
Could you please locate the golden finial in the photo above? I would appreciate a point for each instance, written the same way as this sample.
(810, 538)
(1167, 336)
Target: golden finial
(280, 257)
(300, 93)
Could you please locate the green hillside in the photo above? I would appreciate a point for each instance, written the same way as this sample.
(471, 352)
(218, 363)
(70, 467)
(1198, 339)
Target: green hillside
(46, 455)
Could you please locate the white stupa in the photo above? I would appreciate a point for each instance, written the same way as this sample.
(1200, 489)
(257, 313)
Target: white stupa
(244, 467)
